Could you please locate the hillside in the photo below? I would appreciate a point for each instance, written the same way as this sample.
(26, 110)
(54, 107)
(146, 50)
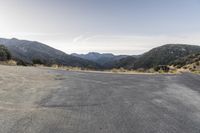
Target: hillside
(191, 62)
(27, 51)
(162, 55)
(127, 62)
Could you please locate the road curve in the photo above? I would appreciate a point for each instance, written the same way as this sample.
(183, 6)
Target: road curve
(36, 100)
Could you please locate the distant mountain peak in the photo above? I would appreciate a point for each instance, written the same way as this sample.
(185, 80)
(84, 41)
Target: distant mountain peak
(15, 39)
(93, 53)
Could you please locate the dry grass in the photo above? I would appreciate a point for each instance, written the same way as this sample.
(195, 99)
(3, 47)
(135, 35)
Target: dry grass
(114, 70)
(9, 63)
(194, 68)
(172, 70)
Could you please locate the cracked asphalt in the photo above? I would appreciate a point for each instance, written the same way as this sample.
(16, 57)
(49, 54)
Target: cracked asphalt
(37, 100)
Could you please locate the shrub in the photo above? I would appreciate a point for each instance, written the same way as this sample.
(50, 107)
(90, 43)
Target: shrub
(141, 70)
(185, 67)
(4, 53)
(161, 71)
(156, 68)
(114, 70)
(55, 66)
(121, 69)
(22, 63)
(163, 68)
(37, 61)
(151, 70)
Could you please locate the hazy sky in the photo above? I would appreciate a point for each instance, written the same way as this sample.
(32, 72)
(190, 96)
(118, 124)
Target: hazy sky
(117, 26)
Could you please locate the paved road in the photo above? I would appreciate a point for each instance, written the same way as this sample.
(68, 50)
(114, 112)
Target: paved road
(35, 100)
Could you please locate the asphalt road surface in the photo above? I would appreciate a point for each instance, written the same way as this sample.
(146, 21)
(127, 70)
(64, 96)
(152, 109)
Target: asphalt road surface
(36, 100)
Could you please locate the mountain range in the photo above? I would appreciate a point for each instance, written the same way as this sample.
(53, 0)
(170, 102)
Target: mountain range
(163, 55)
(30, 52)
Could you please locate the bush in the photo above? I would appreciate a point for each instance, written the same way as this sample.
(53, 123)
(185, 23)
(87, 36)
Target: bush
(185, 67)
(161, 71)
(55, 66)
(37, 61)
(4, 53)
(163, 68)
(114, 70)
(151, 70)
(22, 63)
(141, 70)
(156, 68)
(121, 69)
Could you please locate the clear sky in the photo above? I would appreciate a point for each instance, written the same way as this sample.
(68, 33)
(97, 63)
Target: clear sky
(117, 26)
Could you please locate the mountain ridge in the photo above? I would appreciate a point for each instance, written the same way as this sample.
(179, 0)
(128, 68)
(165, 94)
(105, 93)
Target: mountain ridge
(27, 51)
